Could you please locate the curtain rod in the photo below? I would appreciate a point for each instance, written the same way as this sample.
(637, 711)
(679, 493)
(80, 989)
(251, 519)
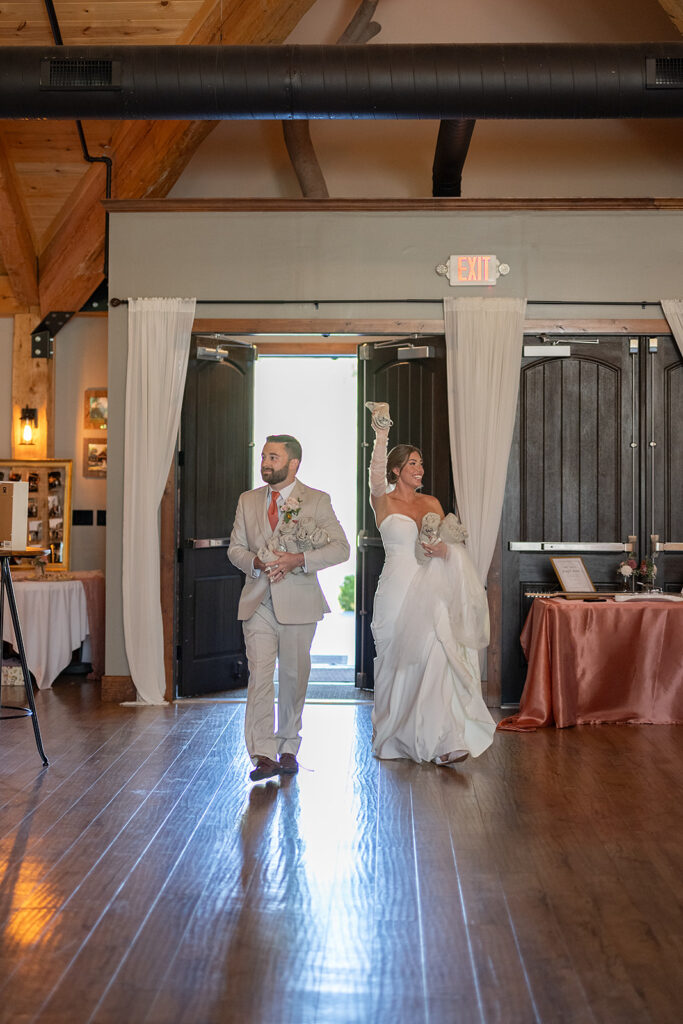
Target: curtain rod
(359, 302)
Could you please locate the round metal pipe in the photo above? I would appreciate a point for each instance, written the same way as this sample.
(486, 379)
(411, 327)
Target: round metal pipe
(446, 82)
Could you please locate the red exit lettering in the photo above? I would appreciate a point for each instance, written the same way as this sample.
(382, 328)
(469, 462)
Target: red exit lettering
(472, 269)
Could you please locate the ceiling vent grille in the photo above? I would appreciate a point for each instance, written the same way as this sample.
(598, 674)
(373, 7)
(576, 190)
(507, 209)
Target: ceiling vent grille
(80, 73)
(664, 72)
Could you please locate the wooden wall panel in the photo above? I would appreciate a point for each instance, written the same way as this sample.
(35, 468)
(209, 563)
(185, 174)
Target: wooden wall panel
(32, 385)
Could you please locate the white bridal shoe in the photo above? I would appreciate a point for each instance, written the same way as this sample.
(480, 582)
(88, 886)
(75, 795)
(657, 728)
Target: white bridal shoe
(453, 757)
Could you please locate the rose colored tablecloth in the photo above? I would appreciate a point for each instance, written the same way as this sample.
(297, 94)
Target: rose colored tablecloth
(601, 662)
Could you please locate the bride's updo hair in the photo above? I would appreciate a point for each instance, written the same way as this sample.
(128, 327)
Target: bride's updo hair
(397, 458)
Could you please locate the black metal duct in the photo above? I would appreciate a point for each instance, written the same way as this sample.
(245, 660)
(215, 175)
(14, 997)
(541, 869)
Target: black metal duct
(640, 80)
(452, 144)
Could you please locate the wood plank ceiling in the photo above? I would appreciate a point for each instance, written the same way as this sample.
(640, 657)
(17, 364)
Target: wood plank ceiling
(51, 220)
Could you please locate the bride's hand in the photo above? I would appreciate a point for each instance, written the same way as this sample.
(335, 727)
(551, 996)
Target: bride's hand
(381, 421)
(439, 550)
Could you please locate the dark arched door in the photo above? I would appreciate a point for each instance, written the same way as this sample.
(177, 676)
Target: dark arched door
(411, 376)
(597, 457)
(214, 467)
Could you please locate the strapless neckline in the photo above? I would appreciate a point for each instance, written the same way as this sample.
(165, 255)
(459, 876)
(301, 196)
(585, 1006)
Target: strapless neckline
(401, 515)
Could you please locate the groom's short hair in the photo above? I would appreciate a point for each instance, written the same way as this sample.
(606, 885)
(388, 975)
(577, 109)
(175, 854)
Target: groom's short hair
(292, 446)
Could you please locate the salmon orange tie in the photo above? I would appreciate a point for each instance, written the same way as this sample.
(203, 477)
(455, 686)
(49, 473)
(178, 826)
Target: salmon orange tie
(272, 509)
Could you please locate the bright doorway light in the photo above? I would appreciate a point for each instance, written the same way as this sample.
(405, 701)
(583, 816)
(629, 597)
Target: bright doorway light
(315, 399)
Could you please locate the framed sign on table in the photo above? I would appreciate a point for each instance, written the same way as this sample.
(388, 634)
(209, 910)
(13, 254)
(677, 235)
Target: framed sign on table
(573, 575)
(48, 522)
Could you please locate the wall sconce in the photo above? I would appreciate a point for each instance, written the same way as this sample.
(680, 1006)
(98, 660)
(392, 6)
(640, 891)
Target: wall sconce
(29, 425)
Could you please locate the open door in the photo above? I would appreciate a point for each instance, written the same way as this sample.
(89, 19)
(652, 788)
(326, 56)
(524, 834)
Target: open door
(214, 467)
(411, 376)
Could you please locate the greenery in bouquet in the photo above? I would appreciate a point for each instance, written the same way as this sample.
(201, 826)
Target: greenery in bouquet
(647, 570)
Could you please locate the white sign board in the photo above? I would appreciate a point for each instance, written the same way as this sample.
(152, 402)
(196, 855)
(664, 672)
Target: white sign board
(13, 515)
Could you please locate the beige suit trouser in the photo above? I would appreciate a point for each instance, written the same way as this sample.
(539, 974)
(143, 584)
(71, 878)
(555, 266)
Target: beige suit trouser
(266, 640)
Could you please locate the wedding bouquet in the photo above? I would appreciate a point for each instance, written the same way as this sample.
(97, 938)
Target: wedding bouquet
(291, 507)
(434, 528)
(631, 571)
(647, 570)
(294, 533)
(627, 569)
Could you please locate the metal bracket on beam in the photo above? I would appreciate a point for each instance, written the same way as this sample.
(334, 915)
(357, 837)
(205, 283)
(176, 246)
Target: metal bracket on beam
(43, 336)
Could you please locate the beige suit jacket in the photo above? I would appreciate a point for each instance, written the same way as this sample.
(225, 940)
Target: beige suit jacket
(298, 597)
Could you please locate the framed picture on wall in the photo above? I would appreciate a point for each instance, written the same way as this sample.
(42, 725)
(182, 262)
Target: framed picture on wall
(95, 410)
(94, 457)
(48, 522)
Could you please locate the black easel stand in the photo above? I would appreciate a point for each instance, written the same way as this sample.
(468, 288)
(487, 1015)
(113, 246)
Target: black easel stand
(6, 587)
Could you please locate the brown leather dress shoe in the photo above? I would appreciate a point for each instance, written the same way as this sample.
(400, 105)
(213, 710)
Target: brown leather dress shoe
(265, 769)
(288, 764)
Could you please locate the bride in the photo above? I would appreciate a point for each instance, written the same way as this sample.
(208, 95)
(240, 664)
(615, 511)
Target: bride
(428, 622)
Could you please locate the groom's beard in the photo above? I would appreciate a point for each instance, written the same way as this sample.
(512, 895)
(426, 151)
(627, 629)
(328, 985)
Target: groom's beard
(274, 476)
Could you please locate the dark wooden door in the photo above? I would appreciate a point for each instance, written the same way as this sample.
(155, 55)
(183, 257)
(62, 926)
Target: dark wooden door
(214, 468)
(412, 378)
(662, 442)
(583, 476)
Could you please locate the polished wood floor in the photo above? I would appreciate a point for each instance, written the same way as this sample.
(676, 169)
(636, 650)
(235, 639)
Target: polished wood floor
(145, 880)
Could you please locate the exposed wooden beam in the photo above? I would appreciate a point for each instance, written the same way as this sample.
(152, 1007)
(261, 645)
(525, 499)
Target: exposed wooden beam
(297, 134)
(71, 266)
(32, 385)
(8, 303)
(361, 28)
(674, 8)
(302, 155)
(366, 330)
(149, 157)
(437, 205)
(16, 245)
(240, 22)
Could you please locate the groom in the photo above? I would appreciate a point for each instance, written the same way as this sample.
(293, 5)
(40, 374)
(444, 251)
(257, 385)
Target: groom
(279, 608)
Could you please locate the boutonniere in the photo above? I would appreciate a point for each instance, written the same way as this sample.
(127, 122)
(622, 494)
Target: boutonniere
(291, 508)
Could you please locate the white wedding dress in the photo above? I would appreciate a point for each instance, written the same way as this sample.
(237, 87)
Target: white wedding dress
(428, 623)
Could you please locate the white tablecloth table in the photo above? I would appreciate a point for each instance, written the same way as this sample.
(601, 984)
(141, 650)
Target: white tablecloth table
(54, 623)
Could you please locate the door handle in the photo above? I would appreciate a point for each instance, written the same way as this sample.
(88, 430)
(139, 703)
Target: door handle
(207, 542)
(669, 546)
(560, 545)
(365, 542)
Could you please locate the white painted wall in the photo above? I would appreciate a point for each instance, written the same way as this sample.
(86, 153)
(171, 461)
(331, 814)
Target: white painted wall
(81, 363)
(354, 260)
(506, 158)
(335, 257)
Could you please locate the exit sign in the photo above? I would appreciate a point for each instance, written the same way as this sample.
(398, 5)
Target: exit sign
(473, 270)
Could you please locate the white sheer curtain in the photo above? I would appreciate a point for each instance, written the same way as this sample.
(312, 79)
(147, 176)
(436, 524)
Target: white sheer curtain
(673, 311)
(158, 347)
(483, 352)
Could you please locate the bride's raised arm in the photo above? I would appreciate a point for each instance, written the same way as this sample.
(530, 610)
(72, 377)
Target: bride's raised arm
(378, 460)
